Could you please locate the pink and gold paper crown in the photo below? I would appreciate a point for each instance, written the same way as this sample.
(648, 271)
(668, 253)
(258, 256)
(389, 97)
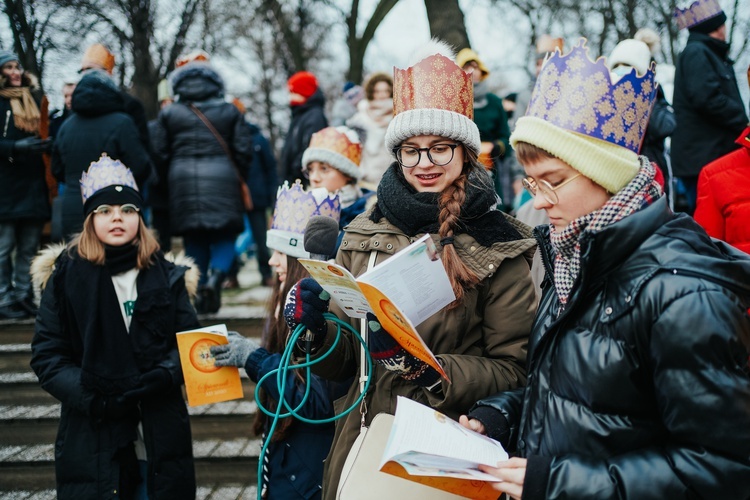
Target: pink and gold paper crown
(294, 208)
(332, 145)
(698, 12)
(105, 172)
(578, 95)
(435, 82)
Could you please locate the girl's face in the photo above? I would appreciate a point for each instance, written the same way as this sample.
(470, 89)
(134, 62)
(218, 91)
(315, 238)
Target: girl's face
(425, 176)
(116, 225)
(381, 90)
(579, 197)
(278, 262)
(325, 176)
(12, 72)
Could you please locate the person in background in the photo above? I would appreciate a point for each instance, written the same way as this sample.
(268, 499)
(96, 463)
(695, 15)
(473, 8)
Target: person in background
(204, 163)
(98, 57)
(436, 186)
(638, 380)
(307, 102)
(492, 121)
(24, 205)
(723, 206)
(158, 194)
(332, 162)
(294, 462)
(345, 107)
(57, 117)
(104, 346)
(98, 125)
(371, 122)
(708, 107)
(262, 179)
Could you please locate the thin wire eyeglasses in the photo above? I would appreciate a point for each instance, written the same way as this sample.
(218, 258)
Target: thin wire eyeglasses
(128, 209)
(438, 154)
(546, 188)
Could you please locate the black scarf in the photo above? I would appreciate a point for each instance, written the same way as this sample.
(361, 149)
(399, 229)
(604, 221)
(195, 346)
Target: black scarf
(120, 259)
(417, 213)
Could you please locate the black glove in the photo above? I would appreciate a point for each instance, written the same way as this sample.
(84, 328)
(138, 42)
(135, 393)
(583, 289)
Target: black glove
(151, 382)
(32, 145)
(305, 305)
(113, 408)
(498, 150)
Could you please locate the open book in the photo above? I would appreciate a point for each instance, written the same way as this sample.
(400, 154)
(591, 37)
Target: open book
(204, 382)
(401, 292)
(427, 447)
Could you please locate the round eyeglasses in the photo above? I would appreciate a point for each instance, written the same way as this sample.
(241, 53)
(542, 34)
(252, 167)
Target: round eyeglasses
(126, 210)
(545, 188)
(438, 154)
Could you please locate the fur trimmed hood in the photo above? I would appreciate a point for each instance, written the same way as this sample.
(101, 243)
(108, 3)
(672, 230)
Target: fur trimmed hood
(43, 266)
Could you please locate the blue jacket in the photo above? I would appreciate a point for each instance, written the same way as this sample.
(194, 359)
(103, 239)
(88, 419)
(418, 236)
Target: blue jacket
(262, 178)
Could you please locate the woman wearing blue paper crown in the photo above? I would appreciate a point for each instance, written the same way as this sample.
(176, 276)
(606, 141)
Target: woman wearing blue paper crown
(293, 465)
(435, 186)
(104, 346)
(638, 379)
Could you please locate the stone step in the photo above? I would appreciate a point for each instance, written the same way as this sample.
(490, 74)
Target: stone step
(217, 462)
(204, 492)
(37, 424)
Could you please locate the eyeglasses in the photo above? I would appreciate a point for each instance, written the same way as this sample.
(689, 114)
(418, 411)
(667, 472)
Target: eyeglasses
(439, 154)
(108, 211)
(546, 188)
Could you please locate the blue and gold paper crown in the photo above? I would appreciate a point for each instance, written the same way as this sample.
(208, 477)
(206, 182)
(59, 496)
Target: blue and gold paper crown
(103, 173)
(696, 13)
(577, 94)
(294, 208)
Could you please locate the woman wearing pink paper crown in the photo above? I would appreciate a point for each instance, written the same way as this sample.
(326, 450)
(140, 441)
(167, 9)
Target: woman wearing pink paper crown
(293, 465)
(435, 186)
(104, 345)
(638, 380)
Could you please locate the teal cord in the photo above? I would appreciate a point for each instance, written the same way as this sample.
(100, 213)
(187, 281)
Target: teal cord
(281, 376)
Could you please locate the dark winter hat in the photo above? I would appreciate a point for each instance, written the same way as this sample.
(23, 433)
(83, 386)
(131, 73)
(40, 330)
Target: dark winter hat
(7, 56)
(701, 16)
(303, 83)
(709, 25)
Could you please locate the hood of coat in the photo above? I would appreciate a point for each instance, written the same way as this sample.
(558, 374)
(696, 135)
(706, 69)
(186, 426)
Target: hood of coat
(43, 266)
(196, 82)
(317, 100)
(96, 94)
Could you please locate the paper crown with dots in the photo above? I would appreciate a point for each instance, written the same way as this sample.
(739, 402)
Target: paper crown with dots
(108, 180)
(577, 94)
(294, 208)
(337, 146)
(696, 13)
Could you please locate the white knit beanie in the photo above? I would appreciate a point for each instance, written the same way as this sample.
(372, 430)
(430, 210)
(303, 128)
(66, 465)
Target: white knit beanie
(431, 121)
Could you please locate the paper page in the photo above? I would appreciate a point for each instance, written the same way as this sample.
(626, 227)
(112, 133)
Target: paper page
(415, 279)
(427, 442)
(340, 283)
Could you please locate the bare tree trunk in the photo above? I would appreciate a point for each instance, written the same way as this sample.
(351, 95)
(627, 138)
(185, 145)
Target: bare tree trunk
(358, 44)
(25, 36)
(447, 22)
(145, 75)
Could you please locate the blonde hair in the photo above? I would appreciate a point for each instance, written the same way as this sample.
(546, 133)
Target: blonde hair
(90, 247)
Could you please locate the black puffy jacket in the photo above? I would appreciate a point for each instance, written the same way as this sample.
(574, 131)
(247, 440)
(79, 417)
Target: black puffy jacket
(204, 189)
(707, 105)
(307, 119)
(640, 388)
(98, 125)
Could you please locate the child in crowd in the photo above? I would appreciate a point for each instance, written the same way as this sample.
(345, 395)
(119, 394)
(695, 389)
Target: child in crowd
(104, 346)
(294, 460)
(332, 162)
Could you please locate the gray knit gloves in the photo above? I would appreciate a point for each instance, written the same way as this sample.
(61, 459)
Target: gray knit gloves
(236, 352)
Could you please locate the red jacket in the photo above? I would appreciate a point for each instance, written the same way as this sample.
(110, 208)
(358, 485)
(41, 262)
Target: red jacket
(723, 207)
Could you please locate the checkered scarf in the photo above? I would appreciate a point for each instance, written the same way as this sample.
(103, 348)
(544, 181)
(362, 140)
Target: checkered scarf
(639, 193)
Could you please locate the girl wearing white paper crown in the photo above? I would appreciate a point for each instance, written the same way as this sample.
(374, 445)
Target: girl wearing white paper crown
(293, 466)
(104, 346)
(435, 186)
(638, 383)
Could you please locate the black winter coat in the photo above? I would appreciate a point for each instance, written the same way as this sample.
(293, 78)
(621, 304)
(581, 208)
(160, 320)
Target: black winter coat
(23, 190)
(707, 105)
(204, 189)
(98, 125)
(263, 178)
(307, 119)
(640, 388)
(85, 446)
(661, 125)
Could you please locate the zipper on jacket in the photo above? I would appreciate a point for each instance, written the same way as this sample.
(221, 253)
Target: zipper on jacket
(7, 121)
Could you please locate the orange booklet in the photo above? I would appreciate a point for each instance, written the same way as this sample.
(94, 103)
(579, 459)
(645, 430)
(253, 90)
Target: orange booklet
(427, 447)
(401, 292)
(204, 382)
